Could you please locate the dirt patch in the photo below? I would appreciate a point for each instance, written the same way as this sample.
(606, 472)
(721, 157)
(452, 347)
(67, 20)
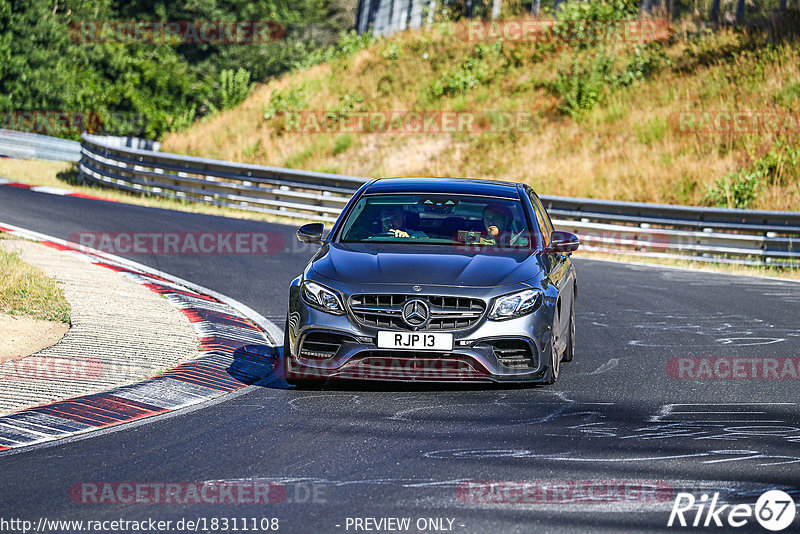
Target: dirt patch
(408, 159)
(23, 336)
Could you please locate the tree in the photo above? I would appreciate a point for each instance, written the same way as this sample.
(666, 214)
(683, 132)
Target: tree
(715, 12)
(740, 7)
(46, 67)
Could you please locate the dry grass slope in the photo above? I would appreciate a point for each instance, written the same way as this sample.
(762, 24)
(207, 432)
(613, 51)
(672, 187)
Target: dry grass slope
(623, 146)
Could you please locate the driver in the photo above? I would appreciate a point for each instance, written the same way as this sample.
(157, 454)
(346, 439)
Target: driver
(393, 223)
(498, 221)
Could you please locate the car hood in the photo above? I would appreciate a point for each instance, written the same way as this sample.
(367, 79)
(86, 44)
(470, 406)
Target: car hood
(424, 265)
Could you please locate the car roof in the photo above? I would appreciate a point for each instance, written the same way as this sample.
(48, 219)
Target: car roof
(464, 186)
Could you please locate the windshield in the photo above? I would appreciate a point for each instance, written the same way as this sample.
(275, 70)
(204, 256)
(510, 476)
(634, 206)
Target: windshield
(439, 219)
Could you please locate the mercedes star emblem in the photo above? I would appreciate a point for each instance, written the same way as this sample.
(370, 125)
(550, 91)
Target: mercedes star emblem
(416, 313)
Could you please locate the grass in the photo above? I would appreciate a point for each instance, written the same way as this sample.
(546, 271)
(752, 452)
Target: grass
(603, 115)
(27, 291)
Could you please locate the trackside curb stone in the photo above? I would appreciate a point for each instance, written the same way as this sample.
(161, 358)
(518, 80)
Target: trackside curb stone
(235, 351)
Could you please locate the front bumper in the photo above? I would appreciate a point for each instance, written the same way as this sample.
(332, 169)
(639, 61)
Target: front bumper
(514, 350)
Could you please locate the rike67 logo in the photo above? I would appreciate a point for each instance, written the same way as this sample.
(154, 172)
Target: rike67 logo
(774, 510)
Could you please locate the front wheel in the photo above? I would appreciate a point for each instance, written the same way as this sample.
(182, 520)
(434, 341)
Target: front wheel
(551, 373)
(569, 351)
(288, 375)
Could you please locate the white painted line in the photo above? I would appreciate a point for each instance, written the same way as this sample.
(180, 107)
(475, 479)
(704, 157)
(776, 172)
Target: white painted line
(43, 420)
(188, 301)
(608, 366)
(23, 430)
(51, 190)
(39, 428)
(736, 412)
(165, 393)
(206, 329)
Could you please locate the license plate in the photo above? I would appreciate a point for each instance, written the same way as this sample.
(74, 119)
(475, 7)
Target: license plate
(415, 341)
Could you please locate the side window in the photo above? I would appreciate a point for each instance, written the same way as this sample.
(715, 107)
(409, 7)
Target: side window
(545, 215)
(541, 218)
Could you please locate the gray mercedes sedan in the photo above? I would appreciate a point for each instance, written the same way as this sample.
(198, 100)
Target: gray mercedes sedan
(434, 279)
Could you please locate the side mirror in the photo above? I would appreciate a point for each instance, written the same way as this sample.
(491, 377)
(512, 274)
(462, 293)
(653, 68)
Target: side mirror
(563, 242)
(311, 233)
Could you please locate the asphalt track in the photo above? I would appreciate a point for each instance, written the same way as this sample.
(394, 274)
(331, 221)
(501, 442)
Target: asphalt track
(404, 451)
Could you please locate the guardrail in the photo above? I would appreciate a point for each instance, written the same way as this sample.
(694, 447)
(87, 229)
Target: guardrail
(754, 237)
(127, 142)
(686, 232)
(314, 196)
(34, 146)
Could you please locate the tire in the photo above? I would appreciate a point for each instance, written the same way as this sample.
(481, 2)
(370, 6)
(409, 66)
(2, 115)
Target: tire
(553, 370)
(297, 382)
(569, 351)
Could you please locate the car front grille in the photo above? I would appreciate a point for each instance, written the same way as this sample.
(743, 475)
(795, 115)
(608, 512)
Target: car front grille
(400, 365)
(513, 354)
(386, 311)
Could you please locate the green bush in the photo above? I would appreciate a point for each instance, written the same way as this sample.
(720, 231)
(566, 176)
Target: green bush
(603, 10)
(642, 61)
(342, 143)
(348, 44)
(587, 82)
(234, 87)
(788, 96)
(583, 85)
(290, 99)
(740, 188)
(391, 52)
(348, 103)
(475, 70)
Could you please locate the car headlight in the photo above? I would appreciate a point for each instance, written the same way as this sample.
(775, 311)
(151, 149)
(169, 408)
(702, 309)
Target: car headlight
(322, 298)
(515, 304)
